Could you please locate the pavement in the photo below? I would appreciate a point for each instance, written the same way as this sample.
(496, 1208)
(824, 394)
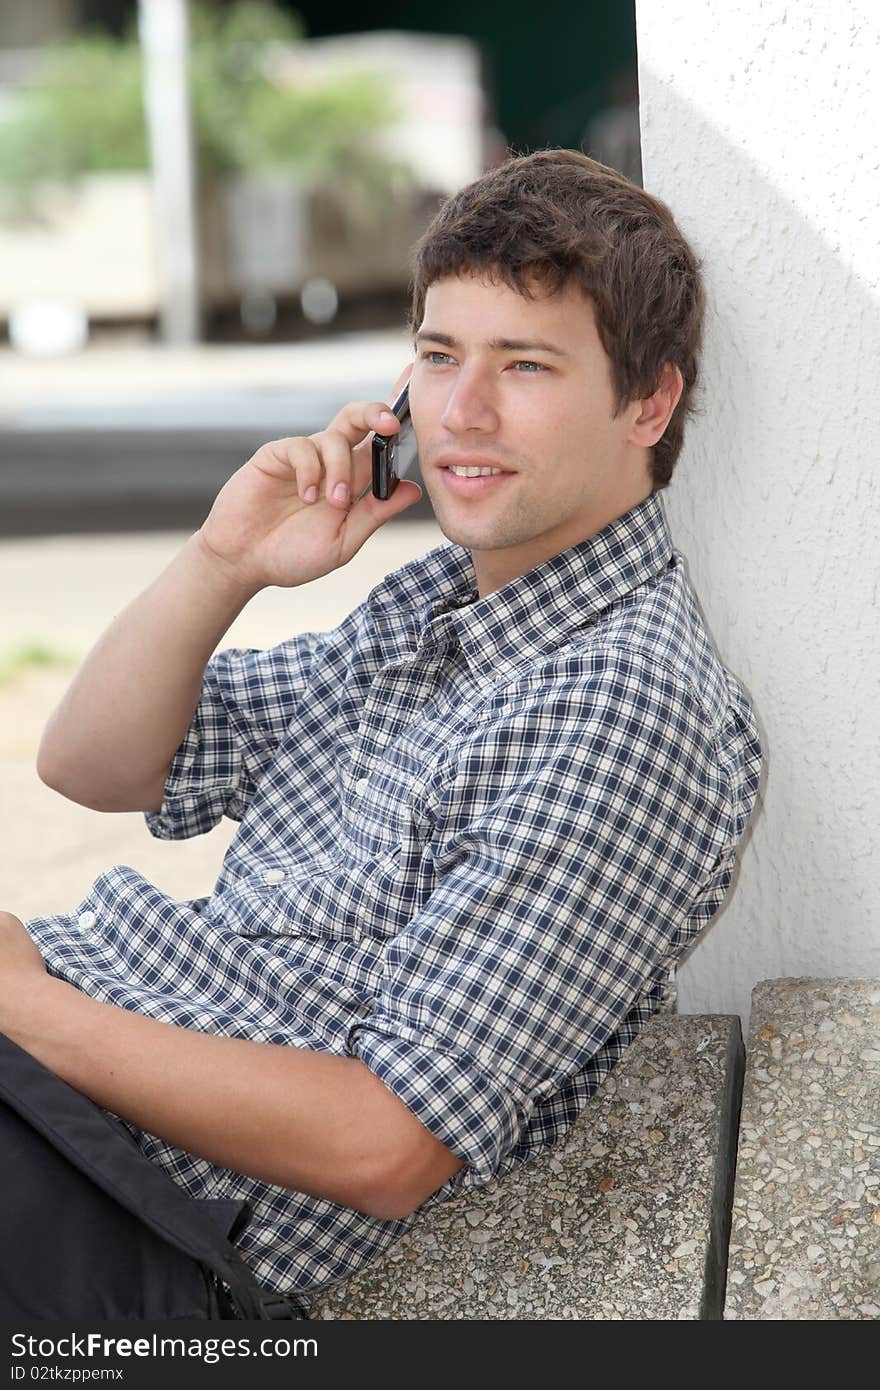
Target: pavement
(61, 590)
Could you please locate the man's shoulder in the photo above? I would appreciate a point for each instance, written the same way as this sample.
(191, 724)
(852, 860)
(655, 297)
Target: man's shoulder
(662, 637)
(661, 623)
(654, 637)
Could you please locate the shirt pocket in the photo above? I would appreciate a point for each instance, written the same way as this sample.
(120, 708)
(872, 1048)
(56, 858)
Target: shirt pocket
(340, 897)
(365, 899)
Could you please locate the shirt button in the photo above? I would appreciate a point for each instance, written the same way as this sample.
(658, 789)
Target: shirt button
(361, 785)
(274, 876)
(86, 920)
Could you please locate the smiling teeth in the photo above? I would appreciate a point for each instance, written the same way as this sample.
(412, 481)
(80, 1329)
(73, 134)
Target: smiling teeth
(472, 472)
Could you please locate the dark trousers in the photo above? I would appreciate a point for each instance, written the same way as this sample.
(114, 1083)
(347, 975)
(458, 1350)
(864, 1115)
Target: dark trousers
(93, 1230)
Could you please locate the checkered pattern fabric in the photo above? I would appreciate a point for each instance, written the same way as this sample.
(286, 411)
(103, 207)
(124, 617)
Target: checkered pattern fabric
(475, 836)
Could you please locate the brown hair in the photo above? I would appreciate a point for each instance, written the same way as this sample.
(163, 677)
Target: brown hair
(557, 216)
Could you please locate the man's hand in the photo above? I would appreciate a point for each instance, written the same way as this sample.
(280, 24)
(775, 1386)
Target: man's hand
(295, 511)
(110, 742)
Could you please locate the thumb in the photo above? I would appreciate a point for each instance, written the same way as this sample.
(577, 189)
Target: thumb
(368, 513)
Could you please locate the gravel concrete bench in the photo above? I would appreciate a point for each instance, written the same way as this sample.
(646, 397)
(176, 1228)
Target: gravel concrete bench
(805, 1241)
(628, 1219)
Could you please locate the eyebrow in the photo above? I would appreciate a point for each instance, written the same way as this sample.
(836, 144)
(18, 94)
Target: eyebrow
(494, 344)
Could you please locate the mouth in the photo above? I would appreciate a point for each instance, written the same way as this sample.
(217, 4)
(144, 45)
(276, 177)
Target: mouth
(471, 476)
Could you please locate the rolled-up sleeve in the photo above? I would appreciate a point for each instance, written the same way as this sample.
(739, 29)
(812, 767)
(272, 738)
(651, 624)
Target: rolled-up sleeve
(247, 703)
(572, 841)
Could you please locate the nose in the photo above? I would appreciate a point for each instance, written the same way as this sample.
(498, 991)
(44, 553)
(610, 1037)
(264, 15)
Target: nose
(470, 405)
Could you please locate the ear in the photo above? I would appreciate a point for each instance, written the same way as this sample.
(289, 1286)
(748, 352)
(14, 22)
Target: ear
(654, 412)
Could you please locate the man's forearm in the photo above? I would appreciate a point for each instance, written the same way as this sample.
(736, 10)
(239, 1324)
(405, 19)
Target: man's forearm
(111, 739)
(309, 1121)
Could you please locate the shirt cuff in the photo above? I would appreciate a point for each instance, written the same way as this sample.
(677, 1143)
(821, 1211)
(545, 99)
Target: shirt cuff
(453, 1097)
(188, 806)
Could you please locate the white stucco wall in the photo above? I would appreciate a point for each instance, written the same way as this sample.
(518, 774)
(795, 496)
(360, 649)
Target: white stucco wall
(761, 129)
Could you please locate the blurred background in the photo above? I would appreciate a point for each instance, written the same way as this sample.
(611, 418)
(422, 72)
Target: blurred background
(206, 214)
(216, 177)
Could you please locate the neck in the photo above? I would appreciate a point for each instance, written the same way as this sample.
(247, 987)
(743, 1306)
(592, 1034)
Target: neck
(495, 568)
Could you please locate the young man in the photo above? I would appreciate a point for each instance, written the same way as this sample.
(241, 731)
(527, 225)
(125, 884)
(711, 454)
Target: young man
(480, 820)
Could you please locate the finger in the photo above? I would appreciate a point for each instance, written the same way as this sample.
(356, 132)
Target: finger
(392, 396)
(363, 452)
(356, 420)
(305, 461)
(398, 387)
(296, 455)
(368, 513)
(336, 458)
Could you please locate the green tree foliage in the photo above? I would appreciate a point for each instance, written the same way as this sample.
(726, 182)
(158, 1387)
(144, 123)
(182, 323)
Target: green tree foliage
(83, 110)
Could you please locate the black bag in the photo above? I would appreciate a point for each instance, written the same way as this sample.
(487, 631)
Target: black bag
(93, 1230)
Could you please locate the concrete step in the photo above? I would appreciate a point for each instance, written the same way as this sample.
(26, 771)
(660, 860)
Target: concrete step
(627, 1219)
(805, 1240)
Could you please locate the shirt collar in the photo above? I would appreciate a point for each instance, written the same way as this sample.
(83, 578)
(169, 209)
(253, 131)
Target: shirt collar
(536, 611)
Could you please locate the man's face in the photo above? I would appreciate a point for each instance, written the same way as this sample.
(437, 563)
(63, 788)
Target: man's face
(522, 385)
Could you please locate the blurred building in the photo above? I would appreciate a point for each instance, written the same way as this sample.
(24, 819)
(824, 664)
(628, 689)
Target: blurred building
(268, 238)
(275, 253)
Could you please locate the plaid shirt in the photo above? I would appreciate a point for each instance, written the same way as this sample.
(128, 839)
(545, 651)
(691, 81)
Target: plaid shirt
(475, 836)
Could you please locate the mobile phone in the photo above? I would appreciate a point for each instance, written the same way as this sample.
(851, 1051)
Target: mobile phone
(394, 454)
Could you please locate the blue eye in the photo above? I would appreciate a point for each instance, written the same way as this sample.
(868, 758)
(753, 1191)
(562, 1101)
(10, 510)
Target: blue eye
(538, 367)
(429, 357)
